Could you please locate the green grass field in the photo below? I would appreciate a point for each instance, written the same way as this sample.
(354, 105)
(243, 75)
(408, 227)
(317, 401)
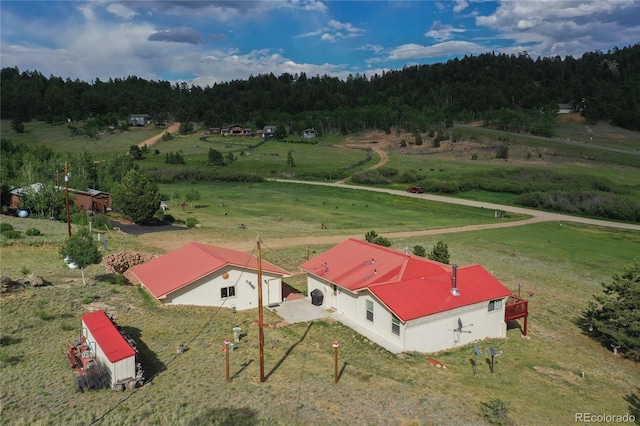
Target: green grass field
(540, 378)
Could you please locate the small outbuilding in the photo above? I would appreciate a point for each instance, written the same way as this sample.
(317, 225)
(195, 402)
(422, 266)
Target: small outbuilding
(112, 351)
(206, 275)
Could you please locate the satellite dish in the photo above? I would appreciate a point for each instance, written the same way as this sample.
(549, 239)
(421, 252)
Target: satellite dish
(493, 352)
(459, 324)
(477, 351)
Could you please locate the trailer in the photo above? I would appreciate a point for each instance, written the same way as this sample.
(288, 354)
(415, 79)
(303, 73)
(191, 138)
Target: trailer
(104, 356)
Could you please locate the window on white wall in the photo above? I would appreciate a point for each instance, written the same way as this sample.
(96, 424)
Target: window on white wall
(226, 292)
(495, 305)
(395, 325)
(370, 310)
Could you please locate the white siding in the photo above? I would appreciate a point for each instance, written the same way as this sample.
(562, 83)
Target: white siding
(438, 332)
(123, 369)
(432, 333)
(207, 290)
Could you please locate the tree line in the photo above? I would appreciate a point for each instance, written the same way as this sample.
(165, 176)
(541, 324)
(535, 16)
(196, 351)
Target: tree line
(509, 91)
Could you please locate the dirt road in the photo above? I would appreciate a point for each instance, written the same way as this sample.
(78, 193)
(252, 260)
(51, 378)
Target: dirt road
(174, 128)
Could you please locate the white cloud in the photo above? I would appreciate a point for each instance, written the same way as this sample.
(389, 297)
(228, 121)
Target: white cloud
(460, 5)
(334, 30)
(448, 48)
(442, 32)
(549, 28)
(87, 11)
(121, 11)
(219, 66)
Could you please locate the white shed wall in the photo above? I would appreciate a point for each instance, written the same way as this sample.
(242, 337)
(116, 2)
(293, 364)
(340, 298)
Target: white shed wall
(123, 369)
(207, 290)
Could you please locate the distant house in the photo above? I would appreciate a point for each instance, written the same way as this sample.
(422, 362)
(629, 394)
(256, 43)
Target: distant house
(236, 131)
(309, 134)
(214, 130)
(91, 199)
(18, 194)
(139, 119)
(206, 275)
(268, 132)
(408, 303)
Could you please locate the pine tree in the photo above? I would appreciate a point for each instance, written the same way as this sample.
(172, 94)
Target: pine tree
(440, 253)
(614, 317)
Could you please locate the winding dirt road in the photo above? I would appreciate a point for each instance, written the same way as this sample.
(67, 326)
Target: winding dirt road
(379, 145)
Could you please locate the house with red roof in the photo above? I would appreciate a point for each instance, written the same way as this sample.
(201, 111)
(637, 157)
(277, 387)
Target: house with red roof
(408, 303)
(206, 275)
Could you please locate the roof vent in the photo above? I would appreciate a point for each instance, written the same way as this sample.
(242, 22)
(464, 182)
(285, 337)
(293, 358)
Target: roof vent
(454, 278)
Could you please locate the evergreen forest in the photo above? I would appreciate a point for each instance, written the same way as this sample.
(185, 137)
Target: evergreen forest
(515, 92)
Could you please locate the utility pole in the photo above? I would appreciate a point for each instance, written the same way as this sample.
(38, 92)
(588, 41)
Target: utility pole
(260, 316)
(66, 195)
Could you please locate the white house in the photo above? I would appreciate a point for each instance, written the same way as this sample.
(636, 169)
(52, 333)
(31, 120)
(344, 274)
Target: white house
(206, 275)
(409, 303)
(110, 349)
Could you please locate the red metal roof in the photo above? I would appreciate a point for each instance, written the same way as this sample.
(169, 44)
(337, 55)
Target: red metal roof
(191, 262)
(410, 286)
(107, 336)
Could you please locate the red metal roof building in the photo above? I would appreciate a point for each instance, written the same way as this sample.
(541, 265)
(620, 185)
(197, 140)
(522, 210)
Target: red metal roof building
(202, 274)
(111, 349)
(408, 302)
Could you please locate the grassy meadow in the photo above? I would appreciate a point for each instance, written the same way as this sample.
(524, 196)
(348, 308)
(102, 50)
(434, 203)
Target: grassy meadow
(544, 379)
(539, 377)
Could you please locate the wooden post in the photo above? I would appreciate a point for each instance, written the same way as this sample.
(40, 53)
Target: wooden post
(335, 361)
(226, 355)
(66, 196)
(260, 315)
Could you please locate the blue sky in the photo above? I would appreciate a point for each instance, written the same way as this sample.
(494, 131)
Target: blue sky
(206, 42)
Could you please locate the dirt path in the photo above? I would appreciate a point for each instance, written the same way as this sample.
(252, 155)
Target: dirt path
(377, 144)
(174, 128)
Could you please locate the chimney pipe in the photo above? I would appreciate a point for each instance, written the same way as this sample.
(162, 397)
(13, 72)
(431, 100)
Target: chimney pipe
(454, 278)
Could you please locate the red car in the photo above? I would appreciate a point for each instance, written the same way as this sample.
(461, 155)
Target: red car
(416, 190)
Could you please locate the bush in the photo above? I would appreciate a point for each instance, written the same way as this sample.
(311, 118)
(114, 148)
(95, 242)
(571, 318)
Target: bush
(32, 232)
(101, 222)
(191, 222)
(168, 218)
(495, 412)
(12, 234)
(5, 227)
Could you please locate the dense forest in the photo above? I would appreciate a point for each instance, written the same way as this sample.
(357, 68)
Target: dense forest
(509, 91)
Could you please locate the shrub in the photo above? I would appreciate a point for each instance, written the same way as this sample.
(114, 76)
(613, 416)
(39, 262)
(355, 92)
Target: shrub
(5, 227)
(495, 412)
(168, 218)
(101, 222)
(419, 250)
(12, 234)
(192, 222)
(32, 232)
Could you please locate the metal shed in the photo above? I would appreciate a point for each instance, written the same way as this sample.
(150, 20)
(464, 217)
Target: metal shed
(112, 350)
